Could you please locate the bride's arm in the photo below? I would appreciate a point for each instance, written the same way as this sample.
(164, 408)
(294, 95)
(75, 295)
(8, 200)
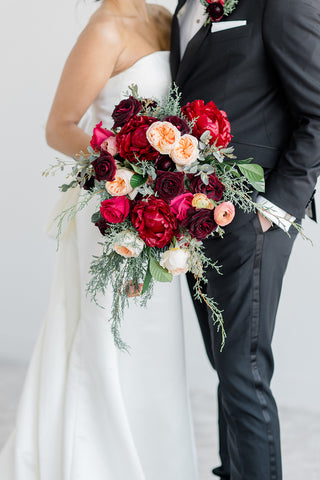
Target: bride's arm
(87, 69)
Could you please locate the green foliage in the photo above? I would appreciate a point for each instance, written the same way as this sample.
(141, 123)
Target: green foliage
(69, 213)
(229, 6)
(254, 174)
(65, 187)
(95, 217)
(55, 168)
(216, 313)
(146, 282)
(170, 105)
(137, 180)
(159, 273)
(111, 269)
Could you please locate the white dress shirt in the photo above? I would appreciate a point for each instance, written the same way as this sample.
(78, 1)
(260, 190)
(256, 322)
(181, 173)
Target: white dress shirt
(191, 18)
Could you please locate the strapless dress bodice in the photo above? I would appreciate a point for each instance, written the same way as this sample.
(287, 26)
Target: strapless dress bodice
(150, 73)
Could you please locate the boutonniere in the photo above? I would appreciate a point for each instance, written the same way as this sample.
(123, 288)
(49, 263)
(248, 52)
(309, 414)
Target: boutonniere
(217, 9)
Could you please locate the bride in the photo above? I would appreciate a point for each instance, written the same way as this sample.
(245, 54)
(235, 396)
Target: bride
(89, 411)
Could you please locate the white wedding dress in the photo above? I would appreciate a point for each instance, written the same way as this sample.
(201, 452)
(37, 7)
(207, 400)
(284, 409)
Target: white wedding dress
(89, 411)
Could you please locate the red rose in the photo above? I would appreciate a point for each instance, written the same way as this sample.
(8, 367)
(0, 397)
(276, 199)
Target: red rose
(154, 221)
(104, 167)
(132, 140)
(215, 10)
(169, 184)
(209, 117)
(115, 209)
(199, 223)
(213, 190)
(99, 135)
(181, 204)
(125, 110)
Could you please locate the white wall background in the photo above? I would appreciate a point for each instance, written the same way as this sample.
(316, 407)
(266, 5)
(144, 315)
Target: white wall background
(35, 38)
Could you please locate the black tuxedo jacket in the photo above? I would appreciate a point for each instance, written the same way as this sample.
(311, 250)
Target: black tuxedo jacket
(266, 76)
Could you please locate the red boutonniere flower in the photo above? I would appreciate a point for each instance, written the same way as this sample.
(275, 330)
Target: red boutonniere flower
(217, 9)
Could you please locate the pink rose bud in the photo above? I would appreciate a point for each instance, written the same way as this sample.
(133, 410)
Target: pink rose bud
(110, 145)
(99, 135)
(224, 214)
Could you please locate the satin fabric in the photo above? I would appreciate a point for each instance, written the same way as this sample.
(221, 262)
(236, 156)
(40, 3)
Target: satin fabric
(87, 409)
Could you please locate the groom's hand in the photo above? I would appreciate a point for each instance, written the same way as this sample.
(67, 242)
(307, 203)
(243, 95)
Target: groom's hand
(264, 222)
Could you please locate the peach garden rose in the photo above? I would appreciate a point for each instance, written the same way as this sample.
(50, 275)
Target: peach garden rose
(121, 183)
(175, 260)
(128, 245)
(163, 136)
(186, 151)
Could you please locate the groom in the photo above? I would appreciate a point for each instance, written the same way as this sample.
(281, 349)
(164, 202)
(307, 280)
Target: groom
(261, 64)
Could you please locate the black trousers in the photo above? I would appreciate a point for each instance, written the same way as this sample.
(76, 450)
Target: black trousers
(248, 292)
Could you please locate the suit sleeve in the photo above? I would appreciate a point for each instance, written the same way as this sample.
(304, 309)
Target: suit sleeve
(291, 33)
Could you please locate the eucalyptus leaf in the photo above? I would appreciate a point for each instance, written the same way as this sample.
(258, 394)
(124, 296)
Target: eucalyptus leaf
(65, 187)
(159, 274)
(204, 178)
(193, 169)
(208, 169)
(137, 180)
(136, 168)
(254, 174)
(206, 137)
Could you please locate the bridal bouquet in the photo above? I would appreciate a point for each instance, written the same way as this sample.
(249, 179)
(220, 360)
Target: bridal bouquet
(164, 179)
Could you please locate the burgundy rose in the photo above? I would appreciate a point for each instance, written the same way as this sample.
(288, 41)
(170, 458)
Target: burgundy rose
(154, 221)
(125, 110)
(99, 135)
(209, 117)
(103, 225)
(169, 185)
(104, 167)
(181, 204)
(132, 140)
(213, 190)
(164, 163)
(178, 122)
(88, 183)
(199, 223)
(115, 209)
(215, 10)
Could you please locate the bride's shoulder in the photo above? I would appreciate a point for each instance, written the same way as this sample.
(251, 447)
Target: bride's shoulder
(160, 13)
(162, 19)
(104, 28)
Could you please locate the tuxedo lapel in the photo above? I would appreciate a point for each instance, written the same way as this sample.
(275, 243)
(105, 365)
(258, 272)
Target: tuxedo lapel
(175, 41)
(175, 47)
(190, 55)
